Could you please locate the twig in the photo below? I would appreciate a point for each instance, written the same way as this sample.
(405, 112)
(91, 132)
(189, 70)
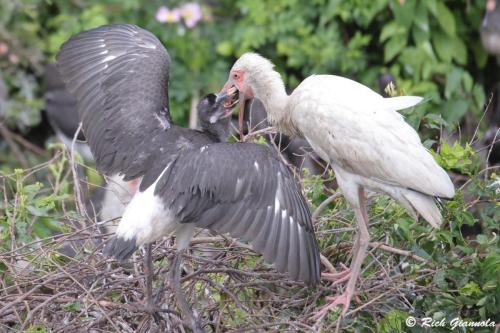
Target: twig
(324, 260)
(323, 205)
(78, 192)
(41, 306)
(7, 135)
(385, 247)
(28, 145)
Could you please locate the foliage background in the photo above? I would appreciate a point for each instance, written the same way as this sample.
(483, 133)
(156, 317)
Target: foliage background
(432, 48)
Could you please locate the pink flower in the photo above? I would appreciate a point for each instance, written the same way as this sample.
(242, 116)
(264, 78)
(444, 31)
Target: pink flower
(164, 14)
(192, 14)
(3, 48)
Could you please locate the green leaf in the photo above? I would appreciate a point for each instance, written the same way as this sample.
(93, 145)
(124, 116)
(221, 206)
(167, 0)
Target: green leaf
(72, 307)
(478, 94)
(455, 109)
(453, 80)
(442, 45)
(391, 29)
(404, 12)
(491, 265)
(470, 289)
(445, 18)
(482, 301)
(459, 51)
(224, 48)
(36, 329)
(393, 322)
(394, 46)
(482, 239)
(467, 81)
(480, 55)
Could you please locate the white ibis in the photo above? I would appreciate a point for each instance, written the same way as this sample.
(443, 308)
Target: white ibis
(361, 134)
(119, 76)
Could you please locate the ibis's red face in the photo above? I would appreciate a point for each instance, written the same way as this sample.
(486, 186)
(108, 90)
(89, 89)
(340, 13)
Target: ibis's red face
(237, 80)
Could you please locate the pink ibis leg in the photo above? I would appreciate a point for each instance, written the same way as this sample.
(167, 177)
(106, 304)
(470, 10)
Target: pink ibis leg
(343, 275)
(360, 249)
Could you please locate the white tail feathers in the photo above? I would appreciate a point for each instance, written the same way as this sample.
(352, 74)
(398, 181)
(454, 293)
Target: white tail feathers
(426, 206)
(401, 102)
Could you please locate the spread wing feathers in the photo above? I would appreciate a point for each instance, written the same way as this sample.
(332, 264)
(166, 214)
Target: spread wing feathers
(119, 76)
(361, 132)
(244, 190)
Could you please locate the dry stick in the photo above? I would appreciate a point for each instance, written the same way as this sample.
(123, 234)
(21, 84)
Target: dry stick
(31, 313)
(78, 193)
(20, 299)
(480, 172)
(324, 260)
(23, 297)
(12, 231)
(323, 205)
(267, 130)
(315, 217)
(223, 289)
(385, 293)
(267, 325)
(480, 120)
(488, 146)
(59, 238)
(385, 247)
(28, 145)
(7, 135)
(489, 152)
(87, 293)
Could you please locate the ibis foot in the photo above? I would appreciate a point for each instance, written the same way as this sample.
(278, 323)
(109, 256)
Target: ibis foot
(337, 278)
(334, 301)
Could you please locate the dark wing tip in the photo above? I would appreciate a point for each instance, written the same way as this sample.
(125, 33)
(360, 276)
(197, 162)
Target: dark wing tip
(119, 248)
(314, 273)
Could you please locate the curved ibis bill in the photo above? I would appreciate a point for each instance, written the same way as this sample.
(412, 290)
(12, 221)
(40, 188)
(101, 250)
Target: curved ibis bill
(362, 136)
(189, 178)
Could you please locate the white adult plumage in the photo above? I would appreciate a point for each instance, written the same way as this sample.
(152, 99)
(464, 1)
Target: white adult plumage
(367, 142)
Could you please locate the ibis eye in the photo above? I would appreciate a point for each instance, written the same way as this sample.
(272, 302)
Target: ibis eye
(236, 76)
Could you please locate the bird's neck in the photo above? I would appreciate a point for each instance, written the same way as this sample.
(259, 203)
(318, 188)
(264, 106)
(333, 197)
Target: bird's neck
(217, 132)
(273, 95)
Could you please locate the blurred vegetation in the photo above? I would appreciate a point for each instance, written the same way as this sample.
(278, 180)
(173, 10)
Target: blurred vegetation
(432, 48)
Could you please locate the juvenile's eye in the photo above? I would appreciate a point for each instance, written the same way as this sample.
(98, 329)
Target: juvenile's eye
(236, 76)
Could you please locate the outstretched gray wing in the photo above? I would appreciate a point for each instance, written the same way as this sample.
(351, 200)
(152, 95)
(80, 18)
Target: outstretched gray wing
(245, 190)
(119, 76)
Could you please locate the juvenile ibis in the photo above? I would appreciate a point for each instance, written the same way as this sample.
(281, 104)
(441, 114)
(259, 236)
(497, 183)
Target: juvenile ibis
(490, 28)
(361, 134)
(107, 202)
(119, 75)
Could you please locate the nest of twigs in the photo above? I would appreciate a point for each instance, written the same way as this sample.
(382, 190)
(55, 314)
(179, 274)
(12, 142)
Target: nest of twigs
(229, 287)
(63, 283)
